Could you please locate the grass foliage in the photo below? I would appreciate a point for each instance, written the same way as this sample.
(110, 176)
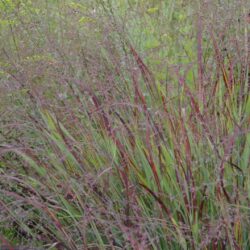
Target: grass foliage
(124, 124)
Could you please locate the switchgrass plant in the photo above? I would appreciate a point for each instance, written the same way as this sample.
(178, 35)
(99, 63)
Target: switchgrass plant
(124, 125)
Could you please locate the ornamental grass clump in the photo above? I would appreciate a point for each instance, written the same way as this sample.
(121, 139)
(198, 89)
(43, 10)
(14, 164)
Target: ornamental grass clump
(124, 125)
